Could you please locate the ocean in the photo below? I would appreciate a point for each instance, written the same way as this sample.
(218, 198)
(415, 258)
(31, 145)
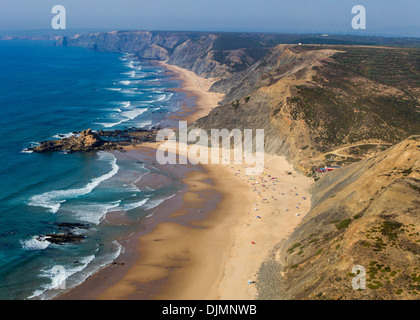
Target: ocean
(49, 92)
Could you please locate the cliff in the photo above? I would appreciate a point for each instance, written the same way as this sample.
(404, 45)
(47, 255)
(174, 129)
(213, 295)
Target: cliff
(364, 214)
(323, 105)
(211, 54)
(329, 104)
(207, 54)
(326, 104)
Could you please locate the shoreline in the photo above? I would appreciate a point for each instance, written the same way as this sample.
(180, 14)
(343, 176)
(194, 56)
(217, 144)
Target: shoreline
(214, 252)
(195, 88)
(108, 275)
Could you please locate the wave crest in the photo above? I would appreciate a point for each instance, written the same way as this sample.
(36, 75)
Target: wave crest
(53, 199)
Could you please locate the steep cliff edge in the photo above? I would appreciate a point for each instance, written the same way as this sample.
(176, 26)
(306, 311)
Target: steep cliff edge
(367, 214)
(314, 101)
(319, 105)
(207, 54)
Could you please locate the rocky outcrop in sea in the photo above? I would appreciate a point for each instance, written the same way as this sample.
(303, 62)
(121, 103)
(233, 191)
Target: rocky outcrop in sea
(87, 140)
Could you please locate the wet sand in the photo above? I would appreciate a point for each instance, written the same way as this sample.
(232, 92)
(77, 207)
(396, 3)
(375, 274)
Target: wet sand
(208, 241)
(196, 88)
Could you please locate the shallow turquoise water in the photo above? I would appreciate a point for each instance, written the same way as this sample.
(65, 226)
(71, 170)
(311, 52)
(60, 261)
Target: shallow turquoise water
(47, 92)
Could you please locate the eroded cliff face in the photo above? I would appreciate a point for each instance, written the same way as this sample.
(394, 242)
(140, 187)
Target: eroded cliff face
(143, 43)
(367, 214)
(207, 54)
(260, 98)
(318, 105)
(324, 105)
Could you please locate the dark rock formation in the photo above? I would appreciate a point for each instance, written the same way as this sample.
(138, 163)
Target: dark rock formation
(72, 225)
(61, 238)
(87, 140)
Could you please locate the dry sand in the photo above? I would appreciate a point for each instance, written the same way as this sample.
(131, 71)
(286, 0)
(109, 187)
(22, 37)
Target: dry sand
(216, 255)
(194, 87)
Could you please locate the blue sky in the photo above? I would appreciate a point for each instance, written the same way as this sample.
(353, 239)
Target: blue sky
(383, 16)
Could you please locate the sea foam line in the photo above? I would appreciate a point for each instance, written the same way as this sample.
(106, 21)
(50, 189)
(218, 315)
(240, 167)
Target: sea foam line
(84, 270)
(130, 206)
(94, 212)
(127, 116)
(154, 203)
(53, 199)
(57, 279)
(35, 243)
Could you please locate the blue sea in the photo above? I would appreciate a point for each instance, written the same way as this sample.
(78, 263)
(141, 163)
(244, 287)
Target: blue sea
(49, 92)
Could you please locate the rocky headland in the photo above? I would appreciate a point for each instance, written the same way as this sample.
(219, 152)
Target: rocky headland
(87, 140)
(351, 102)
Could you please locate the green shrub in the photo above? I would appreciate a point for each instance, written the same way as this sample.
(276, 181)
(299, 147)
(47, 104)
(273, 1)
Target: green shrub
(343, 224)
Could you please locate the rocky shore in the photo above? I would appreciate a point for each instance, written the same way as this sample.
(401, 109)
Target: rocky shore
(87, 140)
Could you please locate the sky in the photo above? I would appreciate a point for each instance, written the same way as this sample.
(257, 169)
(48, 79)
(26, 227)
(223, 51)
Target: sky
(397, 17)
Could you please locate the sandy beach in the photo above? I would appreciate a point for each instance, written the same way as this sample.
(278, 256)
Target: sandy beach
(208, 242)
(194, 87)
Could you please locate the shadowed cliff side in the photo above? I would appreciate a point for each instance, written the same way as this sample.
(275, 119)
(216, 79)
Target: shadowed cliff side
(206, 54)
(324, 105)
(318, 104)
(352, 106)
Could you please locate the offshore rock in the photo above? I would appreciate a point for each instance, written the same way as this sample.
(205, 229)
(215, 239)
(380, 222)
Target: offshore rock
(61, 238)
(86, 141)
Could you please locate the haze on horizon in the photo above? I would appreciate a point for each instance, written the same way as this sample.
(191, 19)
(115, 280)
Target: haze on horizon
(384, 17)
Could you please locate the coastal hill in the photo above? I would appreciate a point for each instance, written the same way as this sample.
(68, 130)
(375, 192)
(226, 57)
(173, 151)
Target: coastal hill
(367, 214)
(313, 96)
(322, 100)
(315, 100)
(217, 54)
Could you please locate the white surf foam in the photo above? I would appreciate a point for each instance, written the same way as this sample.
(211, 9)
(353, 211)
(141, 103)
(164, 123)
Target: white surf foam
(143, 124)
(110, 124)
(132, 74)
(63, 135)
(53, 199)
(134, 205)
(133, 92)
(86, 267)
(58, 275)
(127, 116)
(35, 244)
(161, 97)
(133, 113)
(154, 203)
(168, 96)
(94, 213)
